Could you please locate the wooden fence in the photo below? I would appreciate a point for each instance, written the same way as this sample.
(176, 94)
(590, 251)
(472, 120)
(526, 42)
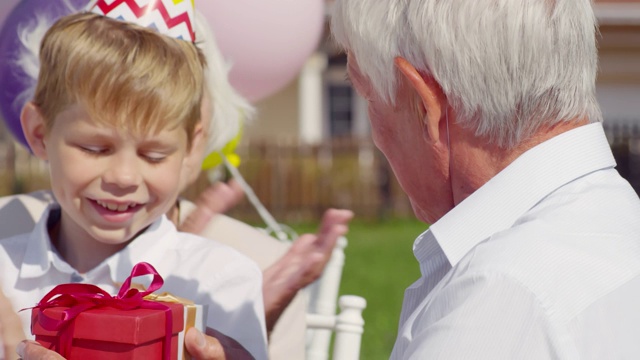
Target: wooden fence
(20, 171)
(297, 182)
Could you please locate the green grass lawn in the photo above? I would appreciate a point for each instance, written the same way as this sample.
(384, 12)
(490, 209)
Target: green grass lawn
(379, 265)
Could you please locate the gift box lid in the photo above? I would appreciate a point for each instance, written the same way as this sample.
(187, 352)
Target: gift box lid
(135, 327)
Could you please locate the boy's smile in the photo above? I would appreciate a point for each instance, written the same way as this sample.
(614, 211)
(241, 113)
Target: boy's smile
(116, 212)
(111, 183)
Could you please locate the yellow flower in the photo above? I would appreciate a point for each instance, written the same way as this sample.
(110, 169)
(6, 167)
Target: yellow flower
(229, 151)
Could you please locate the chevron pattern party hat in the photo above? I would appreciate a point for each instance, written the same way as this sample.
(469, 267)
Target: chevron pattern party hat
(174, 18)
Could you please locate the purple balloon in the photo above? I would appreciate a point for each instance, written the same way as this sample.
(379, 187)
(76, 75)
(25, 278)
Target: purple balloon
(5, 8)
(13, 80)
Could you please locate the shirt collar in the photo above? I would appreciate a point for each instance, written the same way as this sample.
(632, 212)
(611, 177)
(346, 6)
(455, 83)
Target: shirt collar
(39, 254)
(149, 246)
(499, 203)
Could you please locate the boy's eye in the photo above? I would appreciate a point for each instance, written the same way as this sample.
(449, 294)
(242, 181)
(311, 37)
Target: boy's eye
(154, 157)
(93, 149)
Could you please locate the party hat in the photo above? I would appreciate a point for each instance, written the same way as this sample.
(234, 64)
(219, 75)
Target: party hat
(174, 18)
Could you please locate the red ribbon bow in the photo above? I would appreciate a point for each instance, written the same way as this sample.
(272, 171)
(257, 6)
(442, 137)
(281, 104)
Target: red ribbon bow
(82, 297)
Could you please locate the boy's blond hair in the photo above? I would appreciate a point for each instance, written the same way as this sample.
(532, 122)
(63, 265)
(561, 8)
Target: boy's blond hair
(123, 74)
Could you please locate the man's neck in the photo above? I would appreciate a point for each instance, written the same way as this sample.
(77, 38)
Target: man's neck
(475, 161)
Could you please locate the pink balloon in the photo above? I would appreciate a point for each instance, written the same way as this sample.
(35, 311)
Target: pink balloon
(5, 8)
(266, 41)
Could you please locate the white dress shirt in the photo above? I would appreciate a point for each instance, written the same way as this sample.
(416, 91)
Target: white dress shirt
(542, 262)
(192, 267)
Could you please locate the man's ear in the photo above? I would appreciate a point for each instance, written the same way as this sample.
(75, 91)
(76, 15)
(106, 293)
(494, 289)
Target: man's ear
(429, 93)
(34, 129)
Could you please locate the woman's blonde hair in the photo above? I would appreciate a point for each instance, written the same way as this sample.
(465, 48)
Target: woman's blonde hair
(123, 74)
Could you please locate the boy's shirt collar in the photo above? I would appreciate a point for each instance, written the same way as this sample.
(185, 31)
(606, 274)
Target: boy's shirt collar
(150, 247)
(41, 255)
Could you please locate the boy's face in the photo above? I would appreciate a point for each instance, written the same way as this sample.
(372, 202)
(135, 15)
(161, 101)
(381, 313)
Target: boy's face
(110, 183)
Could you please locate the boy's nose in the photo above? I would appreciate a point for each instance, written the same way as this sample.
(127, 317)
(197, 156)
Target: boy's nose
(123, 172)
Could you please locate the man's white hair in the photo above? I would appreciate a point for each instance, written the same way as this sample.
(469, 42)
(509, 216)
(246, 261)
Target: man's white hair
(229, 108)
(506, 66)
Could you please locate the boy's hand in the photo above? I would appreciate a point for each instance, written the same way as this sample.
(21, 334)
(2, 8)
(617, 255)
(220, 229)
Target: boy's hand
(31, 350)
(215, 346)
(11, 332)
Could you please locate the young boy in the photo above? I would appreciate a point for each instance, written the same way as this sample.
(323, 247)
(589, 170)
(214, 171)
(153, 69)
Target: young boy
(116, 111)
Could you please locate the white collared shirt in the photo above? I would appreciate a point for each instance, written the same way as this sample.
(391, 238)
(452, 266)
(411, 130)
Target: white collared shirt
(542, 262)
(192, 267)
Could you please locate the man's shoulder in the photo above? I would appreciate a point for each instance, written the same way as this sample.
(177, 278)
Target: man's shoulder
(539, 246)
(563, 270)
(571, 261)
(595, 220)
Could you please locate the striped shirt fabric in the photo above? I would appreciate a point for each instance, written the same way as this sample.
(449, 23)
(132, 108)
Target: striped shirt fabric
(542, 262)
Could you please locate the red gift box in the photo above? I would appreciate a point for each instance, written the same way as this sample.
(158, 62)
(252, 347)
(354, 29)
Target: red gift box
(108, 333)
(82, 321)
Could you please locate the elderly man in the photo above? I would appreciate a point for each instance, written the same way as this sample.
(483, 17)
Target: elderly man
(486, 111)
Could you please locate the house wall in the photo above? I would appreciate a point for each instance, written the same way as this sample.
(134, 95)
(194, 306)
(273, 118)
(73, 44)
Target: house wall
(277, 116)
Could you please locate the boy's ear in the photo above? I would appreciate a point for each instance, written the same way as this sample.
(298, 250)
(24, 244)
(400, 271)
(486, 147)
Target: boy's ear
(195, 154)
(429, 93)
(192, 163)
(198, 140)
(34, 128)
